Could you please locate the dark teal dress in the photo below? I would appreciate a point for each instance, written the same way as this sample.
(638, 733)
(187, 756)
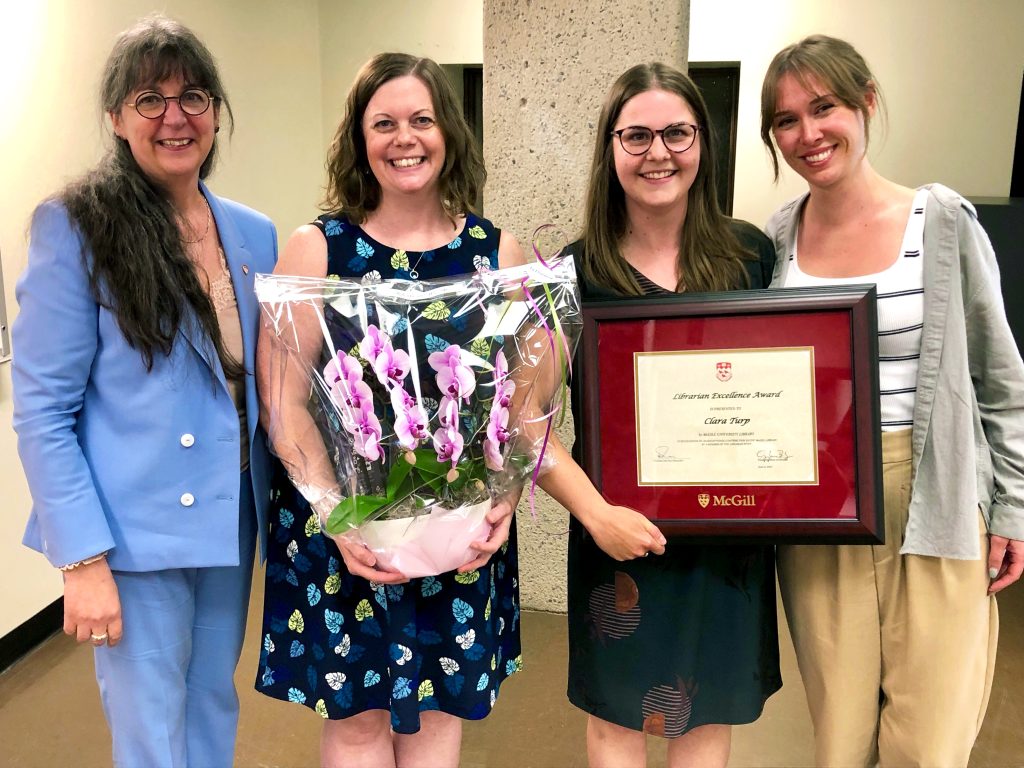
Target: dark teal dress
(342, 645)
(665, 644)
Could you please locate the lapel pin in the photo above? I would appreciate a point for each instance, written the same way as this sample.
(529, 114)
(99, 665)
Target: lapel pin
(245, 269)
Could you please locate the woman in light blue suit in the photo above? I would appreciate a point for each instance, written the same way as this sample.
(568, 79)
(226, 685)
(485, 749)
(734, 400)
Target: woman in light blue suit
(135, 405)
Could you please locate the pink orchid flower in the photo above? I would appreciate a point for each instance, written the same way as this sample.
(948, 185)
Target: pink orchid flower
(503, 388)
(448, 413)
(457, 380)
(342, 368)
(497, 426)
(373, 344)
(448, 445)
(401, 400)
(503, 397)
(410, 420)
(500, 368)
(448, 441)
(391, 366)
(492, 455)
(443, 360)
(367, 432)
(497, 435)
(493, 458)
(352, 397)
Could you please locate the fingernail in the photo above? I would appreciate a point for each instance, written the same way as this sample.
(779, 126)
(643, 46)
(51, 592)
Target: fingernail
(992, 573)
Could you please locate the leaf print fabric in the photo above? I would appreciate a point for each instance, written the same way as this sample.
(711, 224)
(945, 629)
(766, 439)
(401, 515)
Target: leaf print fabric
(437, 311)
(340, 645)
(400, 261)
(334, 621)
(436, 343)
(463, 611)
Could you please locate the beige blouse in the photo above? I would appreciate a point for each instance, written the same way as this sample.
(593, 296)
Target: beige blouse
(222, 294)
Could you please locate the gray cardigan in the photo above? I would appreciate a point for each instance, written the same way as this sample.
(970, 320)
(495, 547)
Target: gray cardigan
(969, 411)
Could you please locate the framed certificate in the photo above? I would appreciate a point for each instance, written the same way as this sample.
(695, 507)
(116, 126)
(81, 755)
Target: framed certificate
(738, 415)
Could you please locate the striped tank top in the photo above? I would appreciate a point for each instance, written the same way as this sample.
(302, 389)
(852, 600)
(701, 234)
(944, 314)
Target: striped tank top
(900, 316)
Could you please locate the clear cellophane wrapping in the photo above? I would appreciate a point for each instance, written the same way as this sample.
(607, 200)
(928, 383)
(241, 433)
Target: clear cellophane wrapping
(403, 410)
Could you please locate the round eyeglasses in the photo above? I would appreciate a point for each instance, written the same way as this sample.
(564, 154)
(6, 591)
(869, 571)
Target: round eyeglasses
(637, 139)
(193, 101)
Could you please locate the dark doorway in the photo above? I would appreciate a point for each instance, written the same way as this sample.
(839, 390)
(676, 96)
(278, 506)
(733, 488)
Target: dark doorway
(473, 100)
(468, 81)
(1017, 175)
(719, 84)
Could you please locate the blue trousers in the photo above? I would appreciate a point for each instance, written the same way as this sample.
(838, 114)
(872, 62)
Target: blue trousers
(168, 688)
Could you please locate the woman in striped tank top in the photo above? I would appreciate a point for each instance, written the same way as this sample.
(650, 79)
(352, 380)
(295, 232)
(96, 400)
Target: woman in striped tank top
(888, 679)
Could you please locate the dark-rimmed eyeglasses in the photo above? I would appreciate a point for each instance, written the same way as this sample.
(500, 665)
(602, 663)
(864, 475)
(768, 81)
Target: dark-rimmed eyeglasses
(637, 139)
(152, 104)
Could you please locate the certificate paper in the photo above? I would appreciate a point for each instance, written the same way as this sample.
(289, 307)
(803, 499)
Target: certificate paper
(726, 417)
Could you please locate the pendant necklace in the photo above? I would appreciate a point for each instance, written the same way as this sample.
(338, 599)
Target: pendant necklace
(188, 224)
(413, 273)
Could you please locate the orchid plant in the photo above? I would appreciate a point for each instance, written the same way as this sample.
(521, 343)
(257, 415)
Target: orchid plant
(441, 456)
(423, 398)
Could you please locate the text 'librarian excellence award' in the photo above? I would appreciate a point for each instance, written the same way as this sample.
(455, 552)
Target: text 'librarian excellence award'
(741, 415)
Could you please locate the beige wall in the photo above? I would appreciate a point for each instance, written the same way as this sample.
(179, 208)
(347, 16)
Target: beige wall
(51, 54)
(950, 72)
(447, 31)
(547, 66)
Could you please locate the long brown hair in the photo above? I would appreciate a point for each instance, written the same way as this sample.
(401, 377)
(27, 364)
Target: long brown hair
(353, 190)
(135, 255)
(710, 256)
(832, 62)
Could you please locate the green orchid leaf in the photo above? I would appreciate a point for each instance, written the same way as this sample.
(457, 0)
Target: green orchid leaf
(396, 478)
(353, 512)
(478, 471)
(428, 465)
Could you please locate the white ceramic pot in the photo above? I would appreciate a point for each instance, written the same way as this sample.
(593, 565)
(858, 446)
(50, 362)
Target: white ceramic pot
(428, 544)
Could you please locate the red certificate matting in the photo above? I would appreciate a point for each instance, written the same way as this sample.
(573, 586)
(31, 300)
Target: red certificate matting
(806, 468)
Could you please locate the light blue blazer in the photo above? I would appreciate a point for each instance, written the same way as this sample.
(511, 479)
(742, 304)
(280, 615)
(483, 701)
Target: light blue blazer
(142, 464)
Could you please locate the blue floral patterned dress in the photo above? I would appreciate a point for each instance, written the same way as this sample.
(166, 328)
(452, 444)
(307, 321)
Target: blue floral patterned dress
(342, 645)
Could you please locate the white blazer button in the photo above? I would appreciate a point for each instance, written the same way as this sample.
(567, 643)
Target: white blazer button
(187, 499)
(188, 440)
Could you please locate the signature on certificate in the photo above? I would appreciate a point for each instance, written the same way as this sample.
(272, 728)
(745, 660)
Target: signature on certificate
(662, 453)
(773, 455)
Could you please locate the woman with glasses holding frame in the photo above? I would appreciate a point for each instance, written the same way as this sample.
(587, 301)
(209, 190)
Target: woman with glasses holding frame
(681, 644)
(893, 681)
(135, 404)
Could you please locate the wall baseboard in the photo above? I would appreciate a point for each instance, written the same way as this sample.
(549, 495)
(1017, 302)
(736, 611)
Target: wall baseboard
(24, 638)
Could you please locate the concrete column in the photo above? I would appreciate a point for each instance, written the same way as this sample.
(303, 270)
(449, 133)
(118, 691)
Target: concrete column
(547, 67)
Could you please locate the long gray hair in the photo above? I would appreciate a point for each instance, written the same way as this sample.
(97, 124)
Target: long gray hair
(135, 255)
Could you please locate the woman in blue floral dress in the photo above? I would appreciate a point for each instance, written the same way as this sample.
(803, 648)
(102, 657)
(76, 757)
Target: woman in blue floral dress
(393, 665)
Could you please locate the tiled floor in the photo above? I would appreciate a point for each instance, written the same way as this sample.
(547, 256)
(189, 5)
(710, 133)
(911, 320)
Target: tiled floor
(50, 712)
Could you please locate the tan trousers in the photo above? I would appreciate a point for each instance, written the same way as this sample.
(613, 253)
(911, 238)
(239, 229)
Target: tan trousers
(904, 682)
